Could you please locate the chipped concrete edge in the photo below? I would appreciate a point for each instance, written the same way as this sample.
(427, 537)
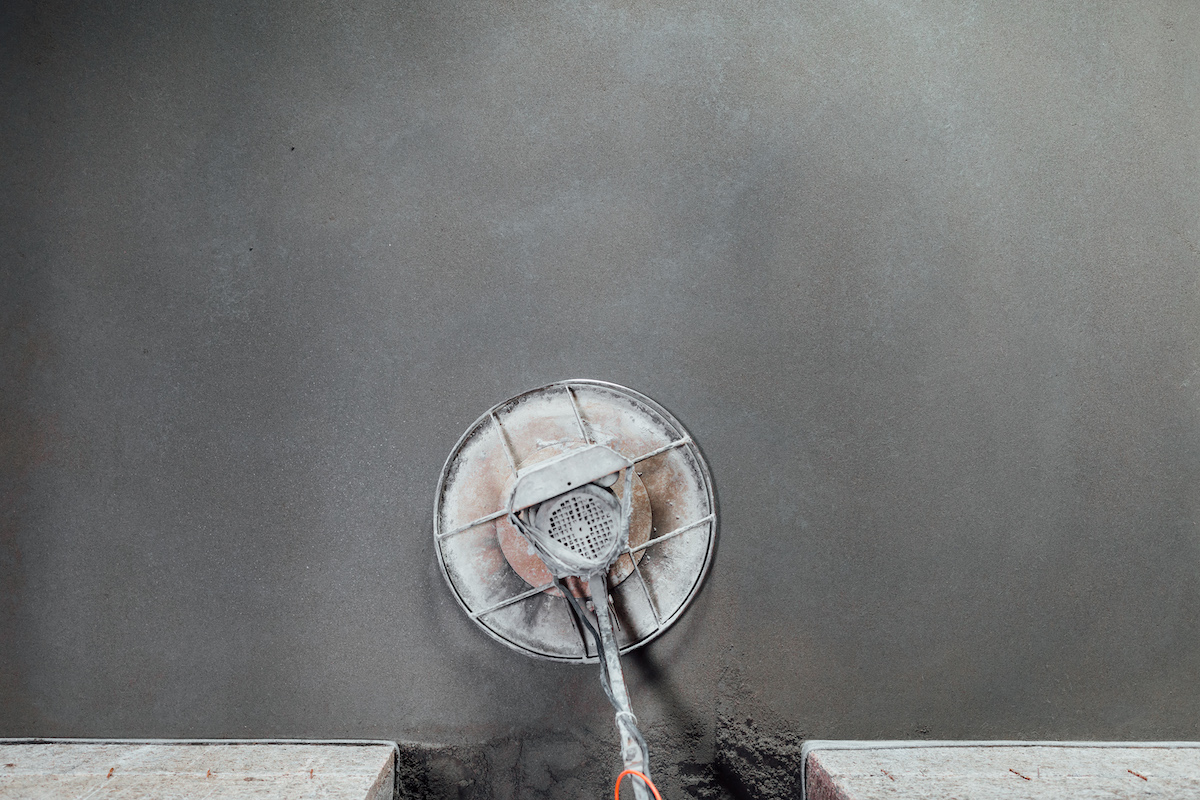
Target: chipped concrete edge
(343, 742)
(812, 745)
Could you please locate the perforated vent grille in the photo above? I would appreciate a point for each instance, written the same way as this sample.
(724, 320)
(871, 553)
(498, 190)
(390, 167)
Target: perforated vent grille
(583, 525)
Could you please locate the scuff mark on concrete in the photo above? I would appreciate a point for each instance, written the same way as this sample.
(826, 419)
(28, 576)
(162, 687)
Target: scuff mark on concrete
(26, 442)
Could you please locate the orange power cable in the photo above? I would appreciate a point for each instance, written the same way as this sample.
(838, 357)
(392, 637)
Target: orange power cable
(647, 781)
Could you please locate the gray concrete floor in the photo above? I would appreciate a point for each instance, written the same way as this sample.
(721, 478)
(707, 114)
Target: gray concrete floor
(93, 770)
(994, 771)
(921, 279)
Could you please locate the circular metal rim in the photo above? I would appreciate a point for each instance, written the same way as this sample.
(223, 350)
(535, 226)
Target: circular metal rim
(709, 492)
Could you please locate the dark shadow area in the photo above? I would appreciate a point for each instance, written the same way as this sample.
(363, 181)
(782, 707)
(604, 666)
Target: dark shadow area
(748, 760)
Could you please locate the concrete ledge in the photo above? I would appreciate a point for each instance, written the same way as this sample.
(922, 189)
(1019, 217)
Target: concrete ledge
(862, 770)
(37, 769)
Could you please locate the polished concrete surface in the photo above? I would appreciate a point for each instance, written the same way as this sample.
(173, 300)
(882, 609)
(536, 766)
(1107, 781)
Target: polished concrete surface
(922, 279)
(153, 770)
(1002, 771)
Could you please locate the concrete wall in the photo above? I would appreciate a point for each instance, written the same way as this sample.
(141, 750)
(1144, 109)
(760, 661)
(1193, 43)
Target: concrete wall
(923, 280)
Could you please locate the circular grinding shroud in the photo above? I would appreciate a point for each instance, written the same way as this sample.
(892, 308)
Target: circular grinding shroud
(493, 572)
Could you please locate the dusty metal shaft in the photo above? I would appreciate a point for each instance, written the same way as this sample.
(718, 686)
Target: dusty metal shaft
(633, 751)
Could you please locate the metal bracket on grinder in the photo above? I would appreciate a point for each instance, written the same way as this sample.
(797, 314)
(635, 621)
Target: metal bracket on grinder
(560, 474)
